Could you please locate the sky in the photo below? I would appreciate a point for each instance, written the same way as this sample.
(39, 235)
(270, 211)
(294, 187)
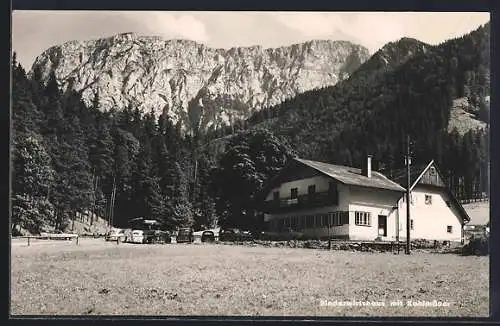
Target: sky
(35, 31)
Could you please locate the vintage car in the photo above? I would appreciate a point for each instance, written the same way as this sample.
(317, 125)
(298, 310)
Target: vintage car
(115, 235)
(207, 236)
(137, 236)
(185, 235)
(156, 236)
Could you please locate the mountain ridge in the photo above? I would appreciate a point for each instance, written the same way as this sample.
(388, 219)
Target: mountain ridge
(167, 75)
(375, 109)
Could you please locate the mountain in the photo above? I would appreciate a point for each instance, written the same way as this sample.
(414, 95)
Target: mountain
(390, 56)
(369, 73)
(438, 95)
(406, 87)
(69, 158)
(199, 86)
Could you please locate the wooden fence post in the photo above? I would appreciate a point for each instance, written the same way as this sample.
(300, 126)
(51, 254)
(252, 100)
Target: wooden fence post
(28, 241)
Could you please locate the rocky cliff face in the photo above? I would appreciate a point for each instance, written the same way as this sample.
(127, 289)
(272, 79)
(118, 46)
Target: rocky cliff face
(195, 84)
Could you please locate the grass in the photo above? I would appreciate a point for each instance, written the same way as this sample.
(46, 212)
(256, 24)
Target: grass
(99, 278)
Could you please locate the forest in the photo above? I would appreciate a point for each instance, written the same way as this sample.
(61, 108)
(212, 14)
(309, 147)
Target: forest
(375, 110)
(70, 159)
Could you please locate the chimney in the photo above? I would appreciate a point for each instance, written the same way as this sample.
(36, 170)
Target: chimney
(367, 167)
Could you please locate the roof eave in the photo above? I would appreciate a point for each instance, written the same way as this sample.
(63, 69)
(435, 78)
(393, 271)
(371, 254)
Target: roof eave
(351, 184)
(319, 170)
(375, 187)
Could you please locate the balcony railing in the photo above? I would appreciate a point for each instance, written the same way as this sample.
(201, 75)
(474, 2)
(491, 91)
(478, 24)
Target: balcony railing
(317, 199)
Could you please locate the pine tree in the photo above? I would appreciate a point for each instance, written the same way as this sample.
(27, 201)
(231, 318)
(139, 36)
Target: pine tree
(250, 160)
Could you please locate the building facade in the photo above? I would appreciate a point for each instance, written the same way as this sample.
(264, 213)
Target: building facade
(322, 200)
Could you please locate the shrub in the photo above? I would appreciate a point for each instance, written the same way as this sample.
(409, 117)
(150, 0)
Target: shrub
(30, 213)
(478, 245)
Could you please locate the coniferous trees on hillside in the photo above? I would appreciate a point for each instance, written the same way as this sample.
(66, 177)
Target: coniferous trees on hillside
(67, 159)
(71, 160)
(252, 158)
(376, 108)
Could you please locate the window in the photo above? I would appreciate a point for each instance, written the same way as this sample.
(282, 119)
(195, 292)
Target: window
(345, 217)
(432, 171)
(428, 199)
(362, 218)
(311, 191)
(411, 224)
(324, 220)
(309, 221)
(286, 222)
(449, 229)
(274, 225)
(338, 218)
(294, 193)
(333, 192)
(302, 222)
(280, 224)
(319, 220)
(332, 217)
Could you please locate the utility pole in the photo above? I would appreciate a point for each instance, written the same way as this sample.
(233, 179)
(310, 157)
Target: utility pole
(408, 195)
(329, 237)
(397, 228)
(90, 212)
(108, 207)
(193, 193)
(113, 196)
(94, 199)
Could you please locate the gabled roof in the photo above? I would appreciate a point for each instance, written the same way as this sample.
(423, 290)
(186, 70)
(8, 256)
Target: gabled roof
(344, 174)
(352, 176)
(416, 173)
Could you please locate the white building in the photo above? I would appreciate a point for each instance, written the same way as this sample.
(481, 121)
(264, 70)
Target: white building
(321, 200)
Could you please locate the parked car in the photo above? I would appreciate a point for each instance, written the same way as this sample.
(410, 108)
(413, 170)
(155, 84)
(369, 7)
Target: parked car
(156, 236)
(167, 236)
(137, 236)
(185, 235)
(115, 235)
(232, 234)
(128, 235)
(246, 235)
(207, 236)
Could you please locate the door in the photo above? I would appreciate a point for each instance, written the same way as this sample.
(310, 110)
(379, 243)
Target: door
(382, 225)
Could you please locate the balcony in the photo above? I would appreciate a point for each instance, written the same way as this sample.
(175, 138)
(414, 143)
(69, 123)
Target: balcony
(317, 199)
